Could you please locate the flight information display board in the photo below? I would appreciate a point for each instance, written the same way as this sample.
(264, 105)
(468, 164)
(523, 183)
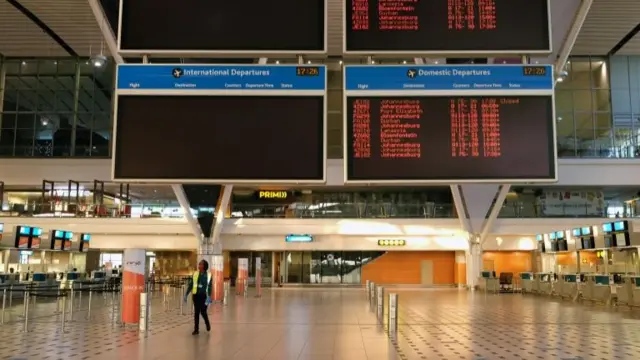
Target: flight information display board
(447, 26)
(222, 26)
(220, 124)
(443, 124)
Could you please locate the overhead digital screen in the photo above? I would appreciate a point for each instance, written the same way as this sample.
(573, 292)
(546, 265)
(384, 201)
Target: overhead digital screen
(220, 124)
(447, 26)
(250, 26)
(410, 134)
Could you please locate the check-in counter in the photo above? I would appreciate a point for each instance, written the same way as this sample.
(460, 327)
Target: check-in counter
(567, 286)
(635, 290)
(624, 291)
(526, 282)
(489, 282)
(597, 288)
(543, 283)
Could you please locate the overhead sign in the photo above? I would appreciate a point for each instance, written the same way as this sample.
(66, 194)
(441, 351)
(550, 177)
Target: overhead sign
(460, 78)
(222, 27)
(449, 124)
(298, 238)
(220, 77)
(251, 121)
(447, 27)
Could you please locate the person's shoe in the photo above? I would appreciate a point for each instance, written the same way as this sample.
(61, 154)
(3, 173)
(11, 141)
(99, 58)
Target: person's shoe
(208, 327)
(195, 332)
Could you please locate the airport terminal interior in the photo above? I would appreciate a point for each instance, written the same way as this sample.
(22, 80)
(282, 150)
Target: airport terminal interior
(365, 179)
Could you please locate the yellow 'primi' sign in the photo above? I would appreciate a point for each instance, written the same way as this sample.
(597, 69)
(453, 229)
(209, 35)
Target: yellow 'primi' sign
(273, 195)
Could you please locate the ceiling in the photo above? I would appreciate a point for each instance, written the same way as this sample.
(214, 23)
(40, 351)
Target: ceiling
(68, 27)
(610, 28)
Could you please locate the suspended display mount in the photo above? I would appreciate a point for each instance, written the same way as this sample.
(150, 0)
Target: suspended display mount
(220, 124)
(262, 28)
(443, 27)
(449, 124)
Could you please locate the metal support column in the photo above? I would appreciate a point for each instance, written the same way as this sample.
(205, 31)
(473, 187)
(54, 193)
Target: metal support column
(107, 34)
(570, 39)
(3, 78)
(216, 227)
(181, 196)
(76, 106)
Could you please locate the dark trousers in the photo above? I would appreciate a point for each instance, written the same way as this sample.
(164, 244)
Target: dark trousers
(200, 308)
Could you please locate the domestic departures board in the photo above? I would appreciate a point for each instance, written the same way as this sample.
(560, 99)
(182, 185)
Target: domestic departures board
(222, 26)
(447, 26)
(437, 124)
(220, 124)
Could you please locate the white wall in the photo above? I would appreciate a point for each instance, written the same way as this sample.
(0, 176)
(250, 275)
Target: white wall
(329, 234)
(23, 172)
(94, 226)
(148, 242)
(342, 242)
(572, 172)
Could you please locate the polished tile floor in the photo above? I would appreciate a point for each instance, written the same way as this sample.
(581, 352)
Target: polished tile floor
(339, 324)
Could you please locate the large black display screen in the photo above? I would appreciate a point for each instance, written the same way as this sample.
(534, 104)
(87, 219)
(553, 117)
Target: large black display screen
(450, 138)
(222, 25)
(447, 26)
(220, 138)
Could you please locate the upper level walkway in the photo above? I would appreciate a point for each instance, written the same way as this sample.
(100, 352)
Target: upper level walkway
(338, 324)
(362, 210)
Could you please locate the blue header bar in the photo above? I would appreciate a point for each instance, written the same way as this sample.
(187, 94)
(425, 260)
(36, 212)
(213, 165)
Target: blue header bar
(445, 77)
(221, 77)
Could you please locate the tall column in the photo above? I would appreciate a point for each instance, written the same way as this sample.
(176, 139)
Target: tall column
(478, 206)
(221, 209)
(76, 104)
(474, 263)
(178, 190)
(3, 77)
(461, 268)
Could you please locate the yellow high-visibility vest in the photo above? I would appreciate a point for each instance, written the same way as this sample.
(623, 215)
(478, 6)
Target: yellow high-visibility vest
(196, 274)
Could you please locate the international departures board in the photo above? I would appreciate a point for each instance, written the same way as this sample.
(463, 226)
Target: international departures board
(447, 26)
(222, 26)
(449, 124)
(220, 124)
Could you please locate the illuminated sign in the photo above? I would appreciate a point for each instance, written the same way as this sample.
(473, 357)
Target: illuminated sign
(410, 124)
(447, 27)
(392, 242)
(288, 148)
(586, 230)
(298, 238)
(539, 237)
(85, 237)
(280, 195)
(576, 232)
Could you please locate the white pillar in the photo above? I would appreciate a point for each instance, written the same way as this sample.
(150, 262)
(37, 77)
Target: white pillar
(223, 204)
(474, 263)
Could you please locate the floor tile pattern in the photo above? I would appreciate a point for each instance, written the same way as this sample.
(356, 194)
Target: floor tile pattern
(332, 324)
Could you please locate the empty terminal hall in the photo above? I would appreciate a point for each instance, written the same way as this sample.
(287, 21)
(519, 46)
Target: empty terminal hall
(319, 180)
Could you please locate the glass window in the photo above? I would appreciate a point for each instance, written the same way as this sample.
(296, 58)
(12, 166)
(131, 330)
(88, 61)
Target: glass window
(41, 92)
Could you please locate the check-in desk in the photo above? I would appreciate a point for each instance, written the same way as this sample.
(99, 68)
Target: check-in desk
(489, 282)
(526, 282)
(567, 286)
(597, 288)
(628, 291)
(543, 283)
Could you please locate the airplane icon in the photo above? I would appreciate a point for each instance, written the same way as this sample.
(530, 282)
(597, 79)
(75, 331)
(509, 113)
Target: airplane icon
(177, 73)
(411, 73)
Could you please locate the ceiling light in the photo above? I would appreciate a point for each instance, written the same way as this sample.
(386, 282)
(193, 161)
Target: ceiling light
(436, 62)
(309, 62)
(24, 62)
(277, 61)
(99, 60)
(373, 61)
(404, 62)
(340, 62)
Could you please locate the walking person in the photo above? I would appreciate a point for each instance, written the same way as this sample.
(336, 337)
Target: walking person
(200, 288)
